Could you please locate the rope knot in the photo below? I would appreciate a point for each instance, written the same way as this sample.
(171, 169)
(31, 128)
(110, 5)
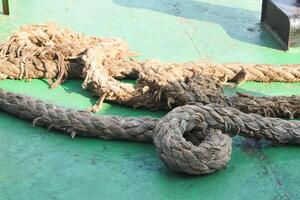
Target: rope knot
(187, 144)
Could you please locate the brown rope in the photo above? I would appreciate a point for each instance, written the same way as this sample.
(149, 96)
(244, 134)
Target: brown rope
(40, 50)
(49, 51)
(235, 72)
(169, 86)
(192, 138)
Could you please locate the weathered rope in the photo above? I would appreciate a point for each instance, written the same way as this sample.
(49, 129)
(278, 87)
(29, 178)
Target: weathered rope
(166, 87)
(235, 72)
(48, 44)
(193, 138)
(44, 50)
(81, 123)
(49, 51)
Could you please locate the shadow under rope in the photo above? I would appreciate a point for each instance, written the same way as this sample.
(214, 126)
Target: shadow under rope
(231, 91)
(240, 24)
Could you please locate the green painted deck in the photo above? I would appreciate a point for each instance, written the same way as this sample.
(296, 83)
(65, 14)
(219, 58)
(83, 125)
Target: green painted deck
(38, 164)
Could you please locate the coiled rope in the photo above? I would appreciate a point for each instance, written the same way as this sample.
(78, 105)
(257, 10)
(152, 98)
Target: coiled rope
(194, 139)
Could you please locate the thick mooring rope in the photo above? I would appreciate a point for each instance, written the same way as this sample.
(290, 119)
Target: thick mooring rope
(48, 51)
(38, 51)
(192, 138)
(166, 87)
(53, 46)
(235, 72)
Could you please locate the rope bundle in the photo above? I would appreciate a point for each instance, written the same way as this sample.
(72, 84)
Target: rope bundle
(194, 137)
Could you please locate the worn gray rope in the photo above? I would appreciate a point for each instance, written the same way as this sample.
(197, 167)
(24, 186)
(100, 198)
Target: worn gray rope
(194, 138)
